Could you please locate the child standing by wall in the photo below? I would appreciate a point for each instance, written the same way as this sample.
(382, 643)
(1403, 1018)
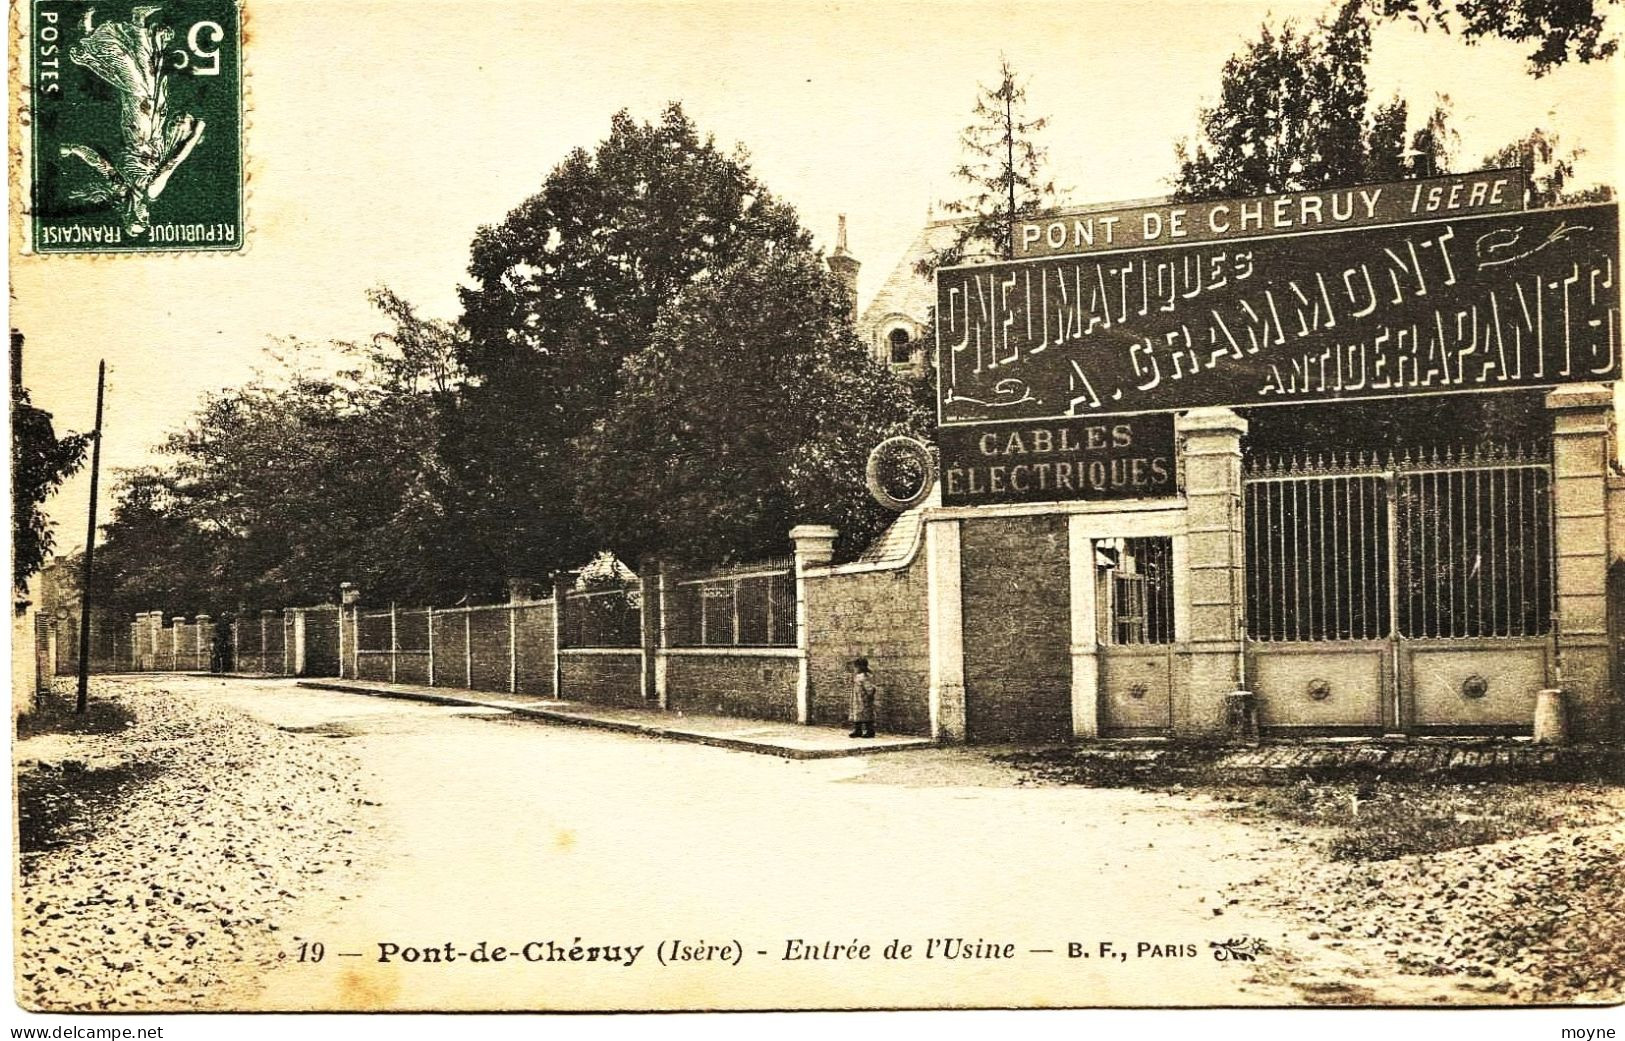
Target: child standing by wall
(863, 699)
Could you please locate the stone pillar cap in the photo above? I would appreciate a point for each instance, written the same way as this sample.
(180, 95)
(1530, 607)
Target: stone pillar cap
(1210, 420)
(1581, 395)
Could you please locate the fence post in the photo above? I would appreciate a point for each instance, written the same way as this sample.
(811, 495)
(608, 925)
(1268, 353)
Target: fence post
(431, 646)
(513, 649)
(468, 648)
(662, 586)
(394, 644)
(648, 630)
(349, 597)
(560, 589)
(814, 546)
(205, 631)
(518, 589)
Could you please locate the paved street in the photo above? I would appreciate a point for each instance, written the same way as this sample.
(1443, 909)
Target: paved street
(513, 833)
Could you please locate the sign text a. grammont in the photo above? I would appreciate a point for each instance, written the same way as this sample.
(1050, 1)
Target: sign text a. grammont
(1480, 303)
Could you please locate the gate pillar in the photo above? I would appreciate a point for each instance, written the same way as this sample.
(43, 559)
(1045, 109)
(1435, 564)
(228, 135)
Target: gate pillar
(1582, 442)
(1085, 643)
(1208, 654)
(945, 630)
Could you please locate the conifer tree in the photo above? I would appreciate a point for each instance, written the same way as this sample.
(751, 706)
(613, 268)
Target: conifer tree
(1004, 170)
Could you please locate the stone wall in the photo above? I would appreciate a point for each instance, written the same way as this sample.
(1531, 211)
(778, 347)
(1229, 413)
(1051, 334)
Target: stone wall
(604, 679)
(752, 686)
(371, 667)
(490, 663)
(874, 614)
(1018, 669)
(450, 649)
(534, 668)
(412, 668)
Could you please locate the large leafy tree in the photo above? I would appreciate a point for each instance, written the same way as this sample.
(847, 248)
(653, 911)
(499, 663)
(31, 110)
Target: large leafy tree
(752, 409)
(151, 556)
(1548, 169)
(40, 462)
(1003, 169)
(1562, 30)
(565, 289)
(1294, 112)
(312, 474)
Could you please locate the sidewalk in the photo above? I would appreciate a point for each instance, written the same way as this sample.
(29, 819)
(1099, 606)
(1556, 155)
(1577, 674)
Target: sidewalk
(791, 740)
(1286, 761)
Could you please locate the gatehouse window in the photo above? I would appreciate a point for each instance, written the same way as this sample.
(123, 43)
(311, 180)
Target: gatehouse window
(1137, 576)
(902, 349)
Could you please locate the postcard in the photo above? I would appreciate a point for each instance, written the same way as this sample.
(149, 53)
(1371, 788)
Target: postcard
(693, 507)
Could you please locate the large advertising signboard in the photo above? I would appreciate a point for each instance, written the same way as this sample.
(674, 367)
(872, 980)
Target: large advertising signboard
(1475, 303)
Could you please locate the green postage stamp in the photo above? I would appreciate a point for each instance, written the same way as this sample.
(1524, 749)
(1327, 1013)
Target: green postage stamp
(136, 126)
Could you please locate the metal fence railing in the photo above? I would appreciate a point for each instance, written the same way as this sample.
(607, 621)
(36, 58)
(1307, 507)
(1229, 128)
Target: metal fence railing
(495, 647)
(738, 608)
(1436, 546)
(603, 618)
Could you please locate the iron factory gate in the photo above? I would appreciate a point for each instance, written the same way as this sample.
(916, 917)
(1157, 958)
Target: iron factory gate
(1404, 593)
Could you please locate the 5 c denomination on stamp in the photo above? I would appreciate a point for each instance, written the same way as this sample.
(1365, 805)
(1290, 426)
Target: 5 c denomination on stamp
(136, 120)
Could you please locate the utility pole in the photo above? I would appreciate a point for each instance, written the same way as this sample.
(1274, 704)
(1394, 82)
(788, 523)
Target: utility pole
(90, 545)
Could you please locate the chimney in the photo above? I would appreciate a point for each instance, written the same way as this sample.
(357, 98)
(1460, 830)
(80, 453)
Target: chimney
(844, 266)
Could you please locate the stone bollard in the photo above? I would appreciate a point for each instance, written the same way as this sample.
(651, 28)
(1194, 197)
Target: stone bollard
(1241, 715)
(1551, 722)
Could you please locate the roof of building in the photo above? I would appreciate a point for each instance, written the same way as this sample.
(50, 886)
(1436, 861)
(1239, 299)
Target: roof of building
(896, 544)
(905, 290)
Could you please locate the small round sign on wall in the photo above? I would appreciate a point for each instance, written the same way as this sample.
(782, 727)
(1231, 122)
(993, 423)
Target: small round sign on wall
(901, 472)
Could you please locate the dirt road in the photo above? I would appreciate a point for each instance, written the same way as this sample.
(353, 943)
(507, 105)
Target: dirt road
(620, 872)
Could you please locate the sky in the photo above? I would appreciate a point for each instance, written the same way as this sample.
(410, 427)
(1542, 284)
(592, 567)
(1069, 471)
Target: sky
(383, 134)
